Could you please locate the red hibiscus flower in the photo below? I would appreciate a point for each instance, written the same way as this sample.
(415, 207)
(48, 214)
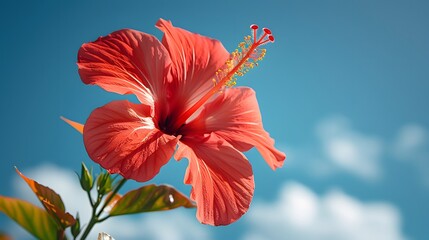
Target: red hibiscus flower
(180, 83)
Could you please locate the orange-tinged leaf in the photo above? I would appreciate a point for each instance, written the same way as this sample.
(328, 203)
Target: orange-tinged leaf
(33, 219)
(4, 236)
(75, 125)
(150, 198)
(51, 201)
(112, 202)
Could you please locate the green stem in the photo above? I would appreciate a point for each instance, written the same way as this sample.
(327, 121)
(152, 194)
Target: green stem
(90, 198)
(95, 217)
(112, 195)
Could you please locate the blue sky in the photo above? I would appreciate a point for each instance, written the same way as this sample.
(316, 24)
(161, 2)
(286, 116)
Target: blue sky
(343, 90)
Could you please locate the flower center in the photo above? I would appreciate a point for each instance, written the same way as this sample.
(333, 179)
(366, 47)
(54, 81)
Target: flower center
(244, 58)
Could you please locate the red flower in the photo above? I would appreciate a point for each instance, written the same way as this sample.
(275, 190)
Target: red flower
(179, 105)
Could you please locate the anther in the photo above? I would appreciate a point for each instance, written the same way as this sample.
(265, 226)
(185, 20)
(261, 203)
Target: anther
(244, 58)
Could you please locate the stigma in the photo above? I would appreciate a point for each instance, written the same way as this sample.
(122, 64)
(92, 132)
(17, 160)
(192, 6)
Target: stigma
(245, 57)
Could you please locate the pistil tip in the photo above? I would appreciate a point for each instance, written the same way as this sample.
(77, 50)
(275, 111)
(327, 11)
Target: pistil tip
(254, 26)
(266, 30)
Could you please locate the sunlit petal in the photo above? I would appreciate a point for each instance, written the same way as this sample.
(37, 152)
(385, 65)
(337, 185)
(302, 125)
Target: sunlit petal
(195, 59)
(123, 139)
(126, 62)
(235, 116)
(221, 179)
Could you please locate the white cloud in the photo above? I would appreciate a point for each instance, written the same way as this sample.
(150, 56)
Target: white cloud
(172, 225)
(299, 213)
(178, 224)
(339, 148)
(411, 142)
(350, 150)
(411, 146)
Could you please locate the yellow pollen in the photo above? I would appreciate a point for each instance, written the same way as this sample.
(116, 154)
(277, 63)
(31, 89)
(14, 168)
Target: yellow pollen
(240, 61)
(244, 58)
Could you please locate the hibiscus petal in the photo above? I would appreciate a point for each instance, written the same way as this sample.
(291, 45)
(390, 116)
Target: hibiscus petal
(234, 115)
(195, 59)
(126, 62)
(221, 179)
(123, 139)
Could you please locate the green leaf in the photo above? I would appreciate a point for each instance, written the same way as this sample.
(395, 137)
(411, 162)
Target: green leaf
(32, 218)
(51, 201)
(150, 198)
(113, 201)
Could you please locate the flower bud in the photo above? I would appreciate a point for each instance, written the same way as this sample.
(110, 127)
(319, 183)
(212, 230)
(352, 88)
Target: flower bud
(75, 229)
(86, 179)
(104, 183)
